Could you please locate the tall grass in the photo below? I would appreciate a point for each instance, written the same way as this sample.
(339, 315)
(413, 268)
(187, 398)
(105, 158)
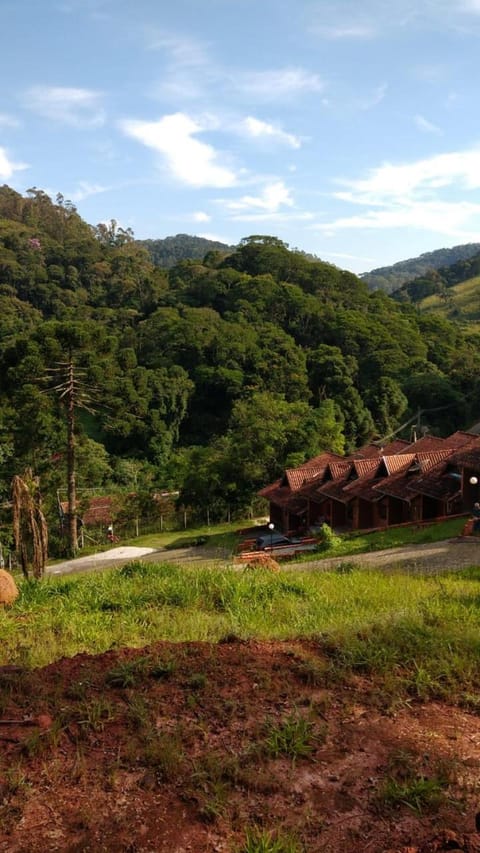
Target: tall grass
(422, 630)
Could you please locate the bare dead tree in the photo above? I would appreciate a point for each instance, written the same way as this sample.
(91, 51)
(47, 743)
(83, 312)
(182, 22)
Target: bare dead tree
(29, 525)
(73, 392)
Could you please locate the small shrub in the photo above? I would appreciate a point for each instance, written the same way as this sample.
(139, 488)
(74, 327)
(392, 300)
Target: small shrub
(93, 715)
(328, 539)
(418, 794)
(164, 754)
(162, 669)
(270, 841)
(197, 681)
(406, 785)
(294, 737)
(127, 674)
(312, 671)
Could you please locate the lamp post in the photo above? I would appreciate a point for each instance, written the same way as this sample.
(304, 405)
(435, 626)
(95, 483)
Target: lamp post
(476, 511)
(271, 528)
(473, 482)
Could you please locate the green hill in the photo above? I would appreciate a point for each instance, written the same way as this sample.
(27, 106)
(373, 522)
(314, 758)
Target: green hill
(391, 278)
(169, 251)
(208, 378)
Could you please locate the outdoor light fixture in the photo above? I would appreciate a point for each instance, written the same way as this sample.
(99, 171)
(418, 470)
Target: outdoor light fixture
(473, 481)
(271, 528)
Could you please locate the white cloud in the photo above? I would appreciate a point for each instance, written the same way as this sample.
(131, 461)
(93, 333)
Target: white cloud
(8, 121)
(426, 126)
(272, 198)
(201, 216)
(75, 107)
(346, 256)
(448, 218)
(427, 194)
(471, 6)
(182, 50)
(278, 217)
(217, 238)
(346, 31)
(8, 167)
(86, 189)
(375, 98)
(190, 161)
(387, 182)
(258, 129)
(283, 83)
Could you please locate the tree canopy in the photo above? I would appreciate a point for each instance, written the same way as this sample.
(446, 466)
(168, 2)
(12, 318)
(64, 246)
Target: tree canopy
(213, 375)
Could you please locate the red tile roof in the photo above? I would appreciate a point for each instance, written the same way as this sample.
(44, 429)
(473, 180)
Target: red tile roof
(399, 462)
(99, 511)
(297, 477)
(399, 469)
(362, 467)
(338, 470)
(427, 442)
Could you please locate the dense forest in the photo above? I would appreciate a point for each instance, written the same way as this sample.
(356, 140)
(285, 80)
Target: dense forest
(210, 377)
(439, 280)
(394, 277)
(169, 251)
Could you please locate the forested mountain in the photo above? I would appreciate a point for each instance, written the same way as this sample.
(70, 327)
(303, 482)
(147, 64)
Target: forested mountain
(439, 281)
(209, 377)
(183, 247)
(393, 277)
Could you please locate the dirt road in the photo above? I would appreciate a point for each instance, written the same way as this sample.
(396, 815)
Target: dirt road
(449, 554)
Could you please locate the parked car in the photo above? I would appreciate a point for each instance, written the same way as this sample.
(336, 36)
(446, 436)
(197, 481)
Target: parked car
(272, 540)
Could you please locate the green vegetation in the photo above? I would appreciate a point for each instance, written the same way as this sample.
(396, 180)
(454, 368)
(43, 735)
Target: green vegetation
(207, 379)
(419, 634)
(393, 277)
(407, 784)
(353, 543)
(169, 251)
(270, 841)
(293, 737)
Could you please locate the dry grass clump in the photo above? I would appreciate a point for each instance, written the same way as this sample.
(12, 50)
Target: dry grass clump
(263, 561)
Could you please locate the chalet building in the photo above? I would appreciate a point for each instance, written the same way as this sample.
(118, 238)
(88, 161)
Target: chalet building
(379, 486)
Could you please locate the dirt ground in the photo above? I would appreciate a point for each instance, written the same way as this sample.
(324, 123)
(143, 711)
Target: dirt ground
(184, 748)
(198, 748)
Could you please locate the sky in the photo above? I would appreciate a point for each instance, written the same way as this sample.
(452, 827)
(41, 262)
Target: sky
(349, 129)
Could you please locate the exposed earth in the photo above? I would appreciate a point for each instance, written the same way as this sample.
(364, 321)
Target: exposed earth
(199, 748)
(182, 748)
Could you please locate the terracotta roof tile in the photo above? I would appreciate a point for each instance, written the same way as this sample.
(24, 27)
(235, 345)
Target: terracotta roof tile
(365, 466)
(339, 469)
(398, 462)
(427, 442)
(396, 446)
(297, 477)
(323, 459)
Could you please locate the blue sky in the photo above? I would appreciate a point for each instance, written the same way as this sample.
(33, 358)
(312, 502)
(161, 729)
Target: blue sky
(349, 129)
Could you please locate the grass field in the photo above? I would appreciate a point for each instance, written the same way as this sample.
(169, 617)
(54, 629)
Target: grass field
(462, 304)
(423, 630)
